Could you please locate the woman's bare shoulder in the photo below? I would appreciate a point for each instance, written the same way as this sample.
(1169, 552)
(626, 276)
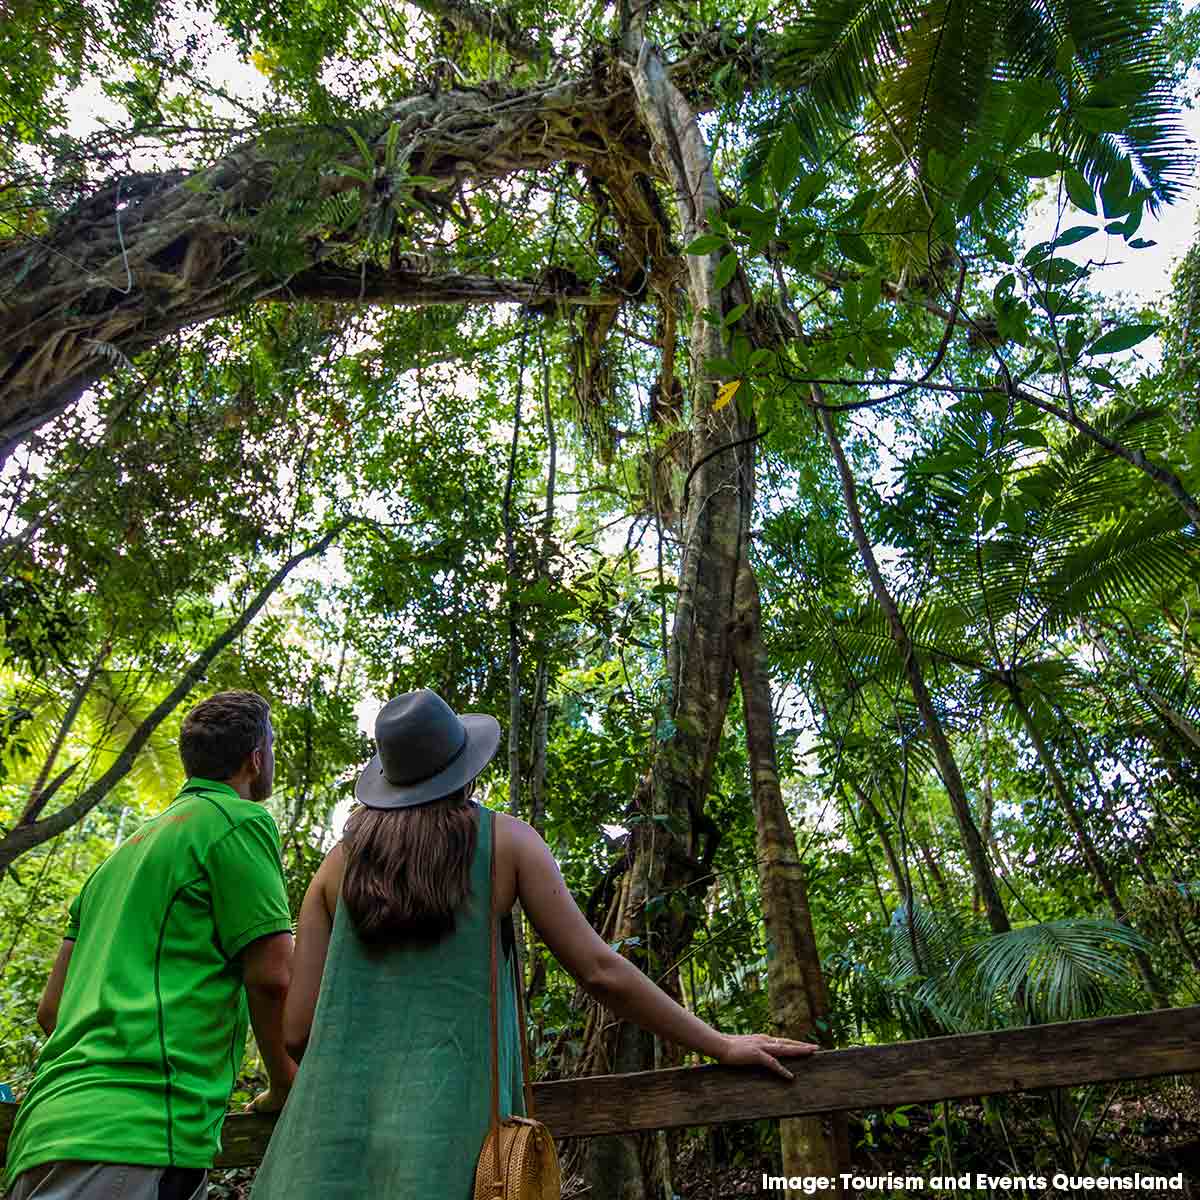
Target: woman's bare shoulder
(514, 832)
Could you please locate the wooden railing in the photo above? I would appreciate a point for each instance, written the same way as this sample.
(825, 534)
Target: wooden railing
(1165, 1042)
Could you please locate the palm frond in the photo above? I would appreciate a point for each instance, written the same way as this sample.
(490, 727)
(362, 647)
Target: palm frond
(1059, 970)
(944, 86)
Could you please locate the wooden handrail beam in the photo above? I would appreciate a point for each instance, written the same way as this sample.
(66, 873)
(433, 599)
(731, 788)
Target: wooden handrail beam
(1109, 1049)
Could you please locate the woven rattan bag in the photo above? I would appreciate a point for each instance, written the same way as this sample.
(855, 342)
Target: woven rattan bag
(518, 1160)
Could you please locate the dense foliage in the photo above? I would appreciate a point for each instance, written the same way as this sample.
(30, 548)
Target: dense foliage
(425, 405)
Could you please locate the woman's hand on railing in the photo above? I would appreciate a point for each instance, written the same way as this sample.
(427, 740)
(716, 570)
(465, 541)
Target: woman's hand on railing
(759, 1050)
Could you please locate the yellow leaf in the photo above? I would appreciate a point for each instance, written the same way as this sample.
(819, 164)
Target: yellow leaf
(266, 61)
(725, 393)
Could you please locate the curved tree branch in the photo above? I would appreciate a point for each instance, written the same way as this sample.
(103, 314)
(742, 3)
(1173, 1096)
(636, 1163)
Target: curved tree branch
(27, 835)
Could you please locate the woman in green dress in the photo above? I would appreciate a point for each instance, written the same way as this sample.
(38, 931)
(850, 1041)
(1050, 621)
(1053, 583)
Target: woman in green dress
(388, 1008)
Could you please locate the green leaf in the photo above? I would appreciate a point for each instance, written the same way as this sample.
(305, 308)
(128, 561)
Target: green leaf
(363, 148)
(1131, 223)
(991, 514)
(935, 168)
(1104, 378)
(1057, 271)
(1037, 96)
(850, 304)
(1028, 436)
(1115, 188)
(724, 367)
(1037, 253)
(1102, 120)
(854, 246)
(726, 269)
(998, 248)
(389, 145)
(1122, 339)
(860, 204)
(976, 192)
(1142, 243)
(943, 464)
(356, 173)
(1076, 233)
(735, 314)
(1079, 190)
(870, 293)
(1037, 164)
(785, 161)
(1013, 513)
(1065, 56)
(807, 190)
(706, 243)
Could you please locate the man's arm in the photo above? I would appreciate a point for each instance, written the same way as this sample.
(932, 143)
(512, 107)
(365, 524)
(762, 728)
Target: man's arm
(267, 974)
(253, 927)
(47, 1009)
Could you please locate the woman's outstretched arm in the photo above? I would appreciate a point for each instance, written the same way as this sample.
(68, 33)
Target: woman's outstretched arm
(614, 981)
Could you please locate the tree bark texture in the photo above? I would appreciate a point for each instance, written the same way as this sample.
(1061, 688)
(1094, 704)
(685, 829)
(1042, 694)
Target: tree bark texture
(947, 765)
(795, 983)
(148, 255)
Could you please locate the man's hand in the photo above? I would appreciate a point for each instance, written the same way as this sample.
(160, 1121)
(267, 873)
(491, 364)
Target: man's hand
(759, 1050)
(273, 1099)
(270, 1101)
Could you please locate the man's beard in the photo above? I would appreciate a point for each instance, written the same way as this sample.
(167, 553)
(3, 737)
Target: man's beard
(260, 789)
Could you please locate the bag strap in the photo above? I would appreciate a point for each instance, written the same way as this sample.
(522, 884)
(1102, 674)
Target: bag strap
(519, 988)
(493, 937)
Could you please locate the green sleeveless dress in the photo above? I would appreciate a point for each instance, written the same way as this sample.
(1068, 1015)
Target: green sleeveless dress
(393, 1096)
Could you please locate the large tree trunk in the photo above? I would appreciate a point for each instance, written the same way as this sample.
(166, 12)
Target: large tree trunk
(795, 983)
(149, 254)
(670, 842)
(947, 765)
(1083, 839)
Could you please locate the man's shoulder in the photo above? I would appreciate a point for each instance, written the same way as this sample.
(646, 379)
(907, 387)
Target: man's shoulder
(222, 807)
(202, 817)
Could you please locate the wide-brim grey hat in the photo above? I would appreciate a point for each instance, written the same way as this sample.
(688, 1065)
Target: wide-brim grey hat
(426, 751)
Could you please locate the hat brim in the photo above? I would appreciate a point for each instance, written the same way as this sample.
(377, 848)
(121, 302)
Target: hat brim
(483, 739)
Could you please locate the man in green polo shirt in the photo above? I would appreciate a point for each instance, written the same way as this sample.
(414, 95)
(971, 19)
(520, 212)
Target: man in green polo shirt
(180, 931)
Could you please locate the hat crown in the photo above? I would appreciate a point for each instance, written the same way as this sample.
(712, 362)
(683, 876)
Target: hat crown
(418, 735)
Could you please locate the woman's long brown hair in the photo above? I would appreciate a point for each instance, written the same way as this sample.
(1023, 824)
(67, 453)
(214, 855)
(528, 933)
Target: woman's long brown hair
(408, 870)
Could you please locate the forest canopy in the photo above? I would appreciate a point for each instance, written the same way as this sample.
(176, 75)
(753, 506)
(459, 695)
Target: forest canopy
(682, 384)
